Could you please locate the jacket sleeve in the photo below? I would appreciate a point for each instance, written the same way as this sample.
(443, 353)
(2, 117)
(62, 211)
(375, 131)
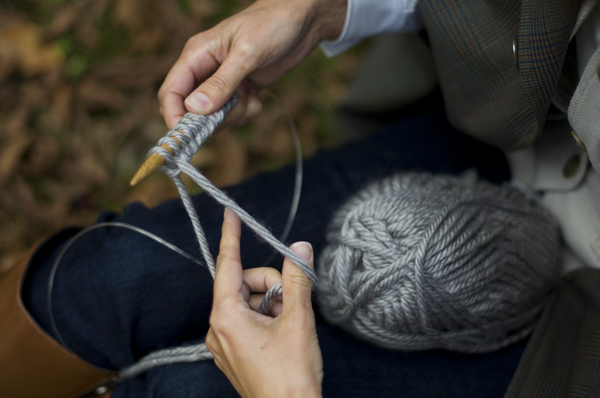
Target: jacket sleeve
(366, 18)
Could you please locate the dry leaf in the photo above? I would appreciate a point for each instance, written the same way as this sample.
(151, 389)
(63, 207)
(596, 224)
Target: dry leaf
(62, 107)
(63, 20)
(282, 144)
(129, 14)
(66, 191)
(42, 155)
(154, 191)
(82, 164)
(33, 94)
(18, 121)
(11, 153)
(96, 116)
(22, 44)
(95, 95)
(21, 197)
(132, 73)
(231, 159)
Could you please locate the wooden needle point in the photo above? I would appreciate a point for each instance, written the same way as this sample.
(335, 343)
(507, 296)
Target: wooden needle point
(153, 163)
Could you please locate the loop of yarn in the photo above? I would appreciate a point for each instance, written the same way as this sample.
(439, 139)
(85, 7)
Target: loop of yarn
(418, 262)
(191, 353)
(192, 131)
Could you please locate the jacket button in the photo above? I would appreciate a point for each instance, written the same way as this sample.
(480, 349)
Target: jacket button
(571, 166)
(578, 141)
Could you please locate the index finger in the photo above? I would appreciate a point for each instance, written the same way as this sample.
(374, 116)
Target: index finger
(177, 85)
(195, 65)
(229, 273)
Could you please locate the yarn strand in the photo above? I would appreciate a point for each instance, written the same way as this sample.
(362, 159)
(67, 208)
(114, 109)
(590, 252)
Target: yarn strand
(191, 132)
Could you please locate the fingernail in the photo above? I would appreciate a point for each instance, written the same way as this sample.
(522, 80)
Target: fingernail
(199, 102)
(304, 250)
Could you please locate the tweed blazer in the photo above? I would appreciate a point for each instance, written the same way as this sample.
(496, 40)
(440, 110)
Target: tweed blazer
(499, 64)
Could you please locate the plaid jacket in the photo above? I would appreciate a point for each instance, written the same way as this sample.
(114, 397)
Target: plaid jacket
(499, 63)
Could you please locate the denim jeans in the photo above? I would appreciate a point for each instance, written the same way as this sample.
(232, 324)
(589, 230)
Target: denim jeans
(119, 295)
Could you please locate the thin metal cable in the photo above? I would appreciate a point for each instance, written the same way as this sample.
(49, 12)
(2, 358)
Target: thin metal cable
(190, 136)
(191, 142)
(84, 231)
(298, 177)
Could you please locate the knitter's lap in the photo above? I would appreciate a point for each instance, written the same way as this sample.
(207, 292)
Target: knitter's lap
(119, 295)
(354, 368)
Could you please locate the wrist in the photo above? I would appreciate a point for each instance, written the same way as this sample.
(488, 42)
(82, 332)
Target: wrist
(329, 19)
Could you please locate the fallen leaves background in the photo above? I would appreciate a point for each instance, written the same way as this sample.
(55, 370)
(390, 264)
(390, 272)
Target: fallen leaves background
(78, 109)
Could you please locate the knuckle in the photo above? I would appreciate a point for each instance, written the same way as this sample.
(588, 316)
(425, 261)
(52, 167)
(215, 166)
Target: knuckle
(162, 92)
(299, 279)
(192, 42)
(210, 340)
(302, 319)
(218, 83)
(237, 112)
(246, 51)
(216, 320)
(226, 257)
(255, 106)
(220, 318)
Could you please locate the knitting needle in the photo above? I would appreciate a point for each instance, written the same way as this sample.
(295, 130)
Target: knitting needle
(156, 161)
(153, 163)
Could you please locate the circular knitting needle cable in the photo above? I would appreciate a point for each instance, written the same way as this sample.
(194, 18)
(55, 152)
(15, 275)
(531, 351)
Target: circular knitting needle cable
(287, 228)
(84, 231)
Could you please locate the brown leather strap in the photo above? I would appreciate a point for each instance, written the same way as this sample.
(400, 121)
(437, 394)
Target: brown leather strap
(33, 364)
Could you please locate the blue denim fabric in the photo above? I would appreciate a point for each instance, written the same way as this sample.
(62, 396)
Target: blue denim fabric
(119, 295)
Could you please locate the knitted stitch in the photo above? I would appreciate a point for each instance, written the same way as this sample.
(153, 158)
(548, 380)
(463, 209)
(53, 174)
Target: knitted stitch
(414, 261)
(191, 132)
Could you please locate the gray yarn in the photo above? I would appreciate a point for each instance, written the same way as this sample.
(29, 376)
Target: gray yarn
(193, 353)
(414, 261)
(417, 262)
(192, 131)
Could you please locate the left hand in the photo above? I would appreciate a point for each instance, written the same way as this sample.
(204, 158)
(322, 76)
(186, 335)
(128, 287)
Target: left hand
(248, 51)
(264, 356)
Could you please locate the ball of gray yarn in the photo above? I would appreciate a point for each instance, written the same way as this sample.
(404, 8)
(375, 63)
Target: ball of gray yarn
(418, 261)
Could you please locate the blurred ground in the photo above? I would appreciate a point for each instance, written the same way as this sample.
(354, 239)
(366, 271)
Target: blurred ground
(78, 109)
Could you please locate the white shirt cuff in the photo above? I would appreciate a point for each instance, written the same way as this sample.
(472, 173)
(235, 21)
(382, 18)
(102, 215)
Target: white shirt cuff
(366, 18)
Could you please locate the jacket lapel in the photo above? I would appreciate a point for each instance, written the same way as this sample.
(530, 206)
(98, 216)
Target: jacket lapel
(498, 63)
(544, 32)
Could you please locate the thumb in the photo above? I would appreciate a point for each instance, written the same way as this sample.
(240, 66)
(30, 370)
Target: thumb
(296, 285)
(217, 89)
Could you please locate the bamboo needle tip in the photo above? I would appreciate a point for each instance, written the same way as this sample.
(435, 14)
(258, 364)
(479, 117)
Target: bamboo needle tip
(153, 163)
(150, 166)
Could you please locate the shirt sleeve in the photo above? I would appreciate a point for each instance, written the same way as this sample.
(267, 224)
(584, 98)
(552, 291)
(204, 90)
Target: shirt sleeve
(366, 18)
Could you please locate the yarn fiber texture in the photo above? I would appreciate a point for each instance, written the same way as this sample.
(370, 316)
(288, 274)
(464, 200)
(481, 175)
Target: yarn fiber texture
(418, 261)
(184, 140)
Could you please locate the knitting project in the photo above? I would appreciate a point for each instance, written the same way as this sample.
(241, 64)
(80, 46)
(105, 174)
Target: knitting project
(413, 262)
(191, 132)
(422, 261)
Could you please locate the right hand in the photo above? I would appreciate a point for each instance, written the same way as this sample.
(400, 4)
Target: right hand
(264, 356)
(246, 52)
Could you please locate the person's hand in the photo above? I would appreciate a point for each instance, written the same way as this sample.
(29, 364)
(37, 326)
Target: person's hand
(246, 52)
(263, 356)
